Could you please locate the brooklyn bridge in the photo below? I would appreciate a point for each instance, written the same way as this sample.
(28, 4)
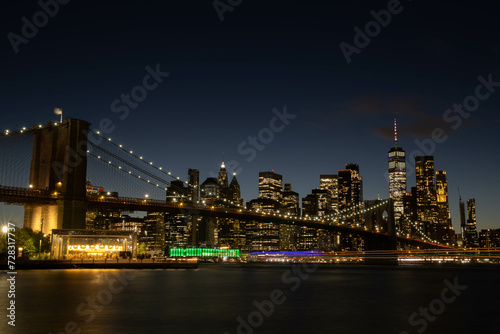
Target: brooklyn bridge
(51, 169)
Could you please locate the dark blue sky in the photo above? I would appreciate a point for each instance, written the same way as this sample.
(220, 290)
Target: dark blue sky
(227, 76)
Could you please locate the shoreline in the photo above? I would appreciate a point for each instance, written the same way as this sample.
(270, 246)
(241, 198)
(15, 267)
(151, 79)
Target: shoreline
(70, 264)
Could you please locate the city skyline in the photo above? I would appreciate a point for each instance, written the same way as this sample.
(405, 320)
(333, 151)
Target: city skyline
(223, 181)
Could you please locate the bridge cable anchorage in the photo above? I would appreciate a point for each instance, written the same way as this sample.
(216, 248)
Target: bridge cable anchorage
(160, 169)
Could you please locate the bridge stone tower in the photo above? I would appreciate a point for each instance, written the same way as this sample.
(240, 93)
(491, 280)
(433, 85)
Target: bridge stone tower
(59, 165)
(384, 218)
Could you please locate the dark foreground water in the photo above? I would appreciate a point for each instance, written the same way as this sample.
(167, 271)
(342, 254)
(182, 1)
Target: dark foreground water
(221, 299)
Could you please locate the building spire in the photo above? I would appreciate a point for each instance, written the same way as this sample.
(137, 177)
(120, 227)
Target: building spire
(222, 165)
(395, 133)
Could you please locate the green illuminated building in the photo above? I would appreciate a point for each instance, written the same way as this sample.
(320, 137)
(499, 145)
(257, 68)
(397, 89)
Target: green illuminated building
(204, 252)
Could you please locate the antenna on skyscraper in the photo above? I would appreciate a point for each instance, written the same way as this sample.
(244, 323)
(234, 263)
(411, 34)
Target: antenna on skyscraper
(395, 133)
(459, 196)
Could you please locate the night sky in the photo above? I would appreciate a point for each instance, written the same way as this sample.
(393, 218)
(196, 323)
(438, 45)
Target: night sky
(226, 77)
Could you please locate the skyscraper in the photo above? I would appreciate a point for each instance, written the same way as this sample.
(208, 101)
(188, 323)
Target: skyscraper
(290, 205)
(270, 186)
(309, 206)
(234, 192)
(290, 201)
(356, 183)
(426, 189)
(222, 181)
(322, 202)
(397, 177)
(408, 212)
(331, 184)
(350, 189)
(316, 204)
(444, 228)
(265, 236)
(307, 238)
(176, 230)
(443, 209)
(154, 232)
(194, 184)
(471, 239)
(462, 216)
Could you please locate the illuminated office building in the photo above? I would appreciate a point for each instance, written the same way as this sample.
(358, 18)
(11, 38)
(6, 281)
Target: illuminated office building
(290, 207)
(316, 204)
(409, 212)
(101, 219)
(222, 181)
(177, 230)
(323, 203)
(356, 183)
(262, 236)
(154, 233)
(471, 239)
(344, 190)
(463, 223)
(330, 183)
(442, 197)
(234, 191)
(309, 206)
(127, 223)
(444, 229)
(307, 236)
(397, 177)
(290, 201)
(270, 186)
(265, 236)
(231, 233)
(350, 191)
(489, 238)
(426, 189)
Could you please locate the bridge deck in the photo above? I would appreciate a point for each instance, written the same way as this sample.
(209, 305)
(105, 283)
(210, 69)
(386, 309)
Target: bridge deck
(20, 196)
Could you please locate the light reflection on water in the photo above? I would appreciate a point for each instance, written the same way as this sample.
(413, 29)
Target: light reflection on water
(338, 299)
